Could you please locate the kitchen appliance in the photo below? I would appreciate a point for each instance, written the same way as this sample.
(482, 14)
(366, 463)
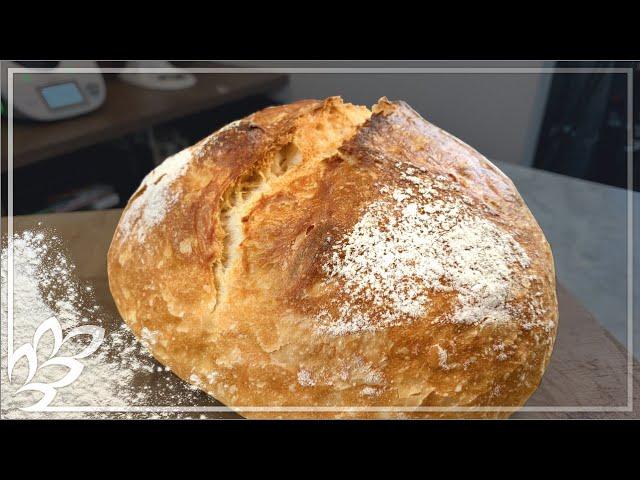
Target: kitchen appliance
(167, 77)
(49, 94)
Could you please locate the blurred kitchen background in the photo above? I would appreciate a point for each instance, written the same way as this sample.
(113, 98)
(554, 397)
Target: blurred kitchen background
(84, 141)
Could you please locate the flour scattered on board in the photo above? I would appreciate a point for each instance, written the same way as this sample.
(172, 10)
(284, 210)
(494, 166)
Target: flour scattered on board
(120, 373)
(421, 238)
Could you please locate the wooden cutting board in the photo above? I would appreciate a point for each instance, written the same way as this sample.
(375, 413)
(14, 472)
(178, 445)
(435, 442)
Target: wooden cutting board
(588, 376)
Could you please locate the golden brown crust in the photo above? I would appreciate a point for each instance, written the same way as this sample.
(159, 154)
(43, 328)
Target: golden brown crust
(230, 264)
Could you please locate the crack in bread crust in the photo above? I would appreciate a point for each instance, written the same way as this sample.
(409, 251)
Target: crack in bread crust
(237, 202)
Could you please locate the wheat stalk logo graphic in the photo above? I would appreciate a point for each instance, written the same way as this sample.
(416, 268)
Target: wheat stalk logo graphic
(75, 367)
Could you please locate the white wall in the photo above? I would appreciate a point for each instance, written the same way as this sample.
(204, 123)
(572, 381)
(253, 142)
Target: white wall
(498, 114)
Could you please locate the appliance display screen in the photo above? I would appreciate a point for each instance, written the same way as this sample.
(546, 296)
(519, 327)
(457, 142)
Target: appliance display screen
(62, 95)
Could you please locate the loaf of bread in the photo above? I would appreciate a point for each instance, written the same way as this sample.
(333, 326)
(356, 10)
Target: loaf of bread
(324, 260)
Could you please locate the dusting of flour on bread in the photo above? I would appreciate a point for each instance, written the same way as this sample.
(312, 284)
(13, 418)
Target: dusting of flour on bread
(156, 196)
(421, 237)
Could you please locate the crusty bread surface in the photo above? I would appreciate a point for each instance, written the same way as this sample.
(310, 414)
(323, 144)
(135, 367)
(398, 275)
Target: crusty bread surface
(322, 260)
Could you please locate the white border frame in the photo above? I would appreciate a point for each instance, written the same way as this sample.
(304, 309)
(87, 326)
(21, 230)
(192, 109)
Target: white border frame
(322, 70)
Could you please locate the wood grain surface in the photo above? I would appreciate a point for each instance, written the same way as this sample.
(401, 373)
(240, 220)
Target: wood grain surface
(588, 376)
